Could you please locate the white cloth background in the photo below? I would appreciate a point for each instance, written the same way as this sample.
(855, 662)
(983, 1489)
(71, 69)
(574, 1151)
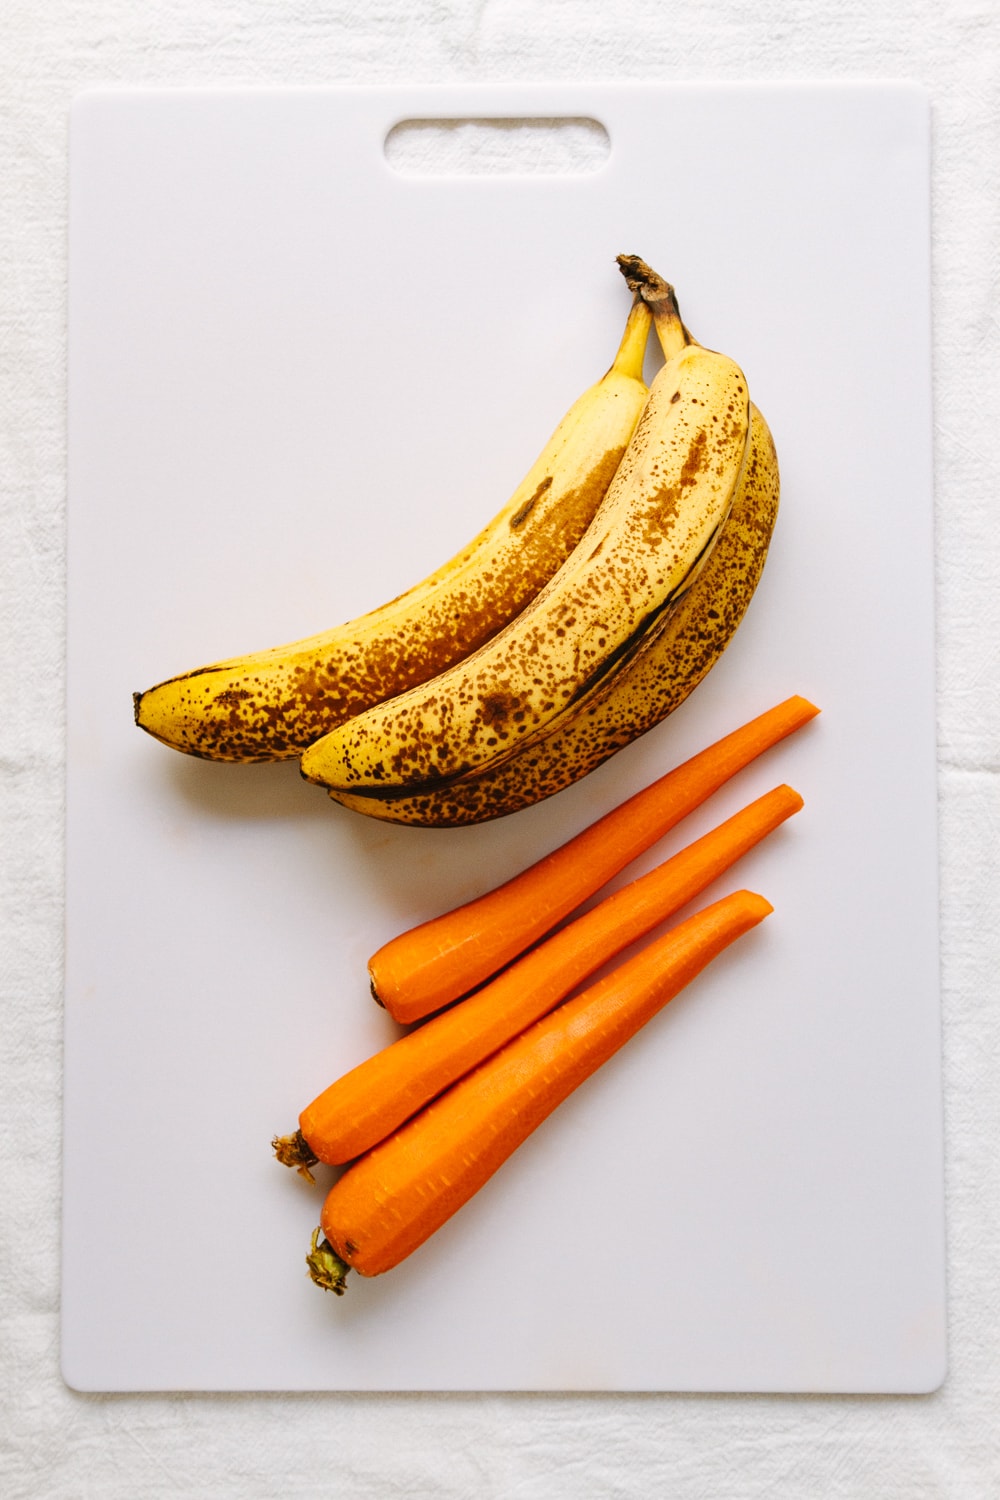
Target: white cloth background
(54, 1443)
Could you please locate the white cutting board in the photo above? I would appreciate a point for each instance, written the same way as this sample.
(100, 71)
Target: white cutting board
(298, 380)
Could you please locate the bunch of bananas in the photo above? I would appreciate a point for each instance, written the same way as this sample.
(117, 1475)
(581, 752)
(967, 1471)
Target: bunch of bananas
(583, 614)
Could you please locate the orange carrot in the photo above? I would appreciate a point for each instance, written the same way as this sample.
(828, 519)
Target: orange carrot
(393, 1198)
(441, 959)
(368, 1103)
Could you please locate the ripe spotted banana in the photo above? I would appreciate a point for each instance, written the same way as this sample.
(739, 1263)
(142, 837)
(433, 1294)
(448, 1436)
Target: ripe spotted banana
(641, 693)
(647, 543)
(270, 705)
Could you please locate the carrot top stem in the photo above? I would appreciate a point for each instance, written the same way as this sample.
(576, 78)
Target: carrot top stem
(295, 1151)
(326, 1268)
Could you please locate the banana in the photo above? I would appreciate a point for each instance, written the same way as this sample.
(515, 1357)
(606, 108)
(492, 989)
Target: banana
(650, 538)
(271, 704)
(637, 697)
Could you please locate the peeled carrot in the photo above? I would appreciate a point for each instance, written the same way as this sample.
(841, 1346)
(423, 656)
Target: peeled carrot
(368, 1103)
(434, 963)
(393, 1198)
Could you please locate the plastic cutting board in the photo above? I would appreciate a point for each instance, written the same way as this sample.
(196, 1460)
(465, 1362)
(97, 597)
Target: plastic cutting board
(298, 380)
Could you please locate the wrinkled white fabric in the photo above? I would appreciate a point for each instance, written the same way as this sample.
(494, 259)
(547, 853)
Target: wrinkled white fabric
(54, 1443)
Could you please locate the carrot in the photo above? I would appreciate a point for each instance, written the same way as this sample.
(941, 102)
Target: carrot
(392, 1199)
(434, 963)
(368, 1103)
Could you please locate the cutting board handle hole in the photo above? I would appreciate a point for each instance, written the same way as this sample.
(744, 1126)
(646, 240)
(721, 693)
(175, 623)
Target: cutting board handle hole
(563, 147)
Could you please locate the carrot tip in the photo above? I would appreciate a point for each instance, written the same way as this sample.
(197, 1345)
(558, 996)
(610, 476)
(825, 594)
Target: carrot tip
(758, 905)
(326, 1268)
(295, 1151)
(794, 798)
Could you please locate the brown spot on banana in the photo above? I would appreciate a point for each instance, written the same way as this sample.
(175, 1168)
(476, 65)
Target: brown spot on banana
(645, 690)
(519, 517)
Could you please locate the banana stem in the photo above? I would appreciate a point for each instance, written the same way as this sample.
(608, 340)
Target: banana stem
(632, 350)
(662, 301)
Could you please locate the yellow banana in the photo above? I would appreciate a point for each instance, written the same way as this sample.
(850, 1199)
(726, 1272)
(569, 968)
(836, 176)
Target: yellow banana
(641, 693)
(271, 704)
(646, 545)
